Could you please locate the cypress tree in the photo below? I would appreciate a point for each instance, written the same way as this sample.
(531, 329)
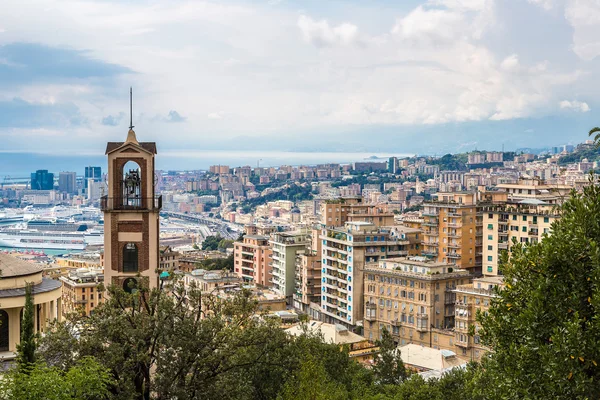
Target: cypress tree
(26, 349)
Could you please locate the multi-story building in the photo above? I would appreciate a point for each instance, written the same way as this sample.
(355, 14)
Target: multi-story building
(470, 298)
(452, 230)
(345, 250)
(94, 173)
(252, 257)
(308, 274)
(168, 259)
(285, 247)
(42, 180)
(413, 299)
(525, 221)
(82, 290)
(67, 182)
(351, 209)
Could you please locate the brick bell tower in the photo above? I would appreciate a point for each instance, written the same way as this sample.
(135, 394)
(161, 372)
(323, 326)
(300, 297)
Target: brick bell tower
(131, 215)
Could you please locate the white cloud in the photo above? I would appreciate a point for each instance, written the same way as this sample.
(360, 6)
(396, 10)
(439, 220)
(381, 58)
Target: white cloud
(443, 25)
(574, 105)
(214, 115)
(321, 34)
(510, 63)
(584, 17)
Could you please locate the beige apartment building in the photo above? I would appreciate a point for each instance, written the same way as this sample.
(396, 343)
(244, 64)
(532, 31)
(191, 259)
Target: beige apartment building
(470, 298)
(308, 274)
(344, 253)
(522, 211)
(352, 209)
(413, 298)
(251, 259)
(452, 230)
(82, 290)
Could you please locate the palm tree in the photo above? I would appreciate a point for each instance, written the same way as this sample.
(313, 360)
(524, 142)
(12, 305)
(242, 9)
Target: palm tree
(596, 137)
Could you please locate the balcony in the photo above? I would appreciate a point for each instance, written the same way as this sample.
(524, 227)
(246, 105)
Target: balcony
(429, 253)
(130, 204)
(432, 244)
(454, 245)
(503, 245)
(453, 255)
(454, 235)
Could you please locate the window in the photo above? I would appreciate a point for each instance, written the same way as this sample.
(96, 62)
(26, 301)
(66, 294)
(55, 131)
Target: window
(490, 258)
(524, 229)
(130, 258)
(524, 217)
(490, 226)
(490, 237)
(546, 219)
(514, 217)
(490, 247)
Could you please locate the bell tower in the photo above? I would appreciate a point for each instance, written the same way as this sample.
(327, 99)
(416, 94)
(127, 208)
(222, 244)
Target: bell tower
(131, 215)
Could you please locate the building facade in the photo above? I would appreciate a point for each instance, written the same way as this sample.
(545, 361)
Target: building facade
(67, 182)
(16, 275)
(251, 259)
(413, 299)
(42, 180)
(82, 290)
(286, 246)
(344, 252)
(308, 274)
(452, 230)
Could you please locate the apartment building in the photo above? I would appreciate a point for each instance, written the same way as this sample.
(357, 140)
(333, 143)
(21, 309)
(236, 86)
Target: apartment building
(525, 221)
(413, 298)
(470, 298)
(285, 247)
(81, 291)
(168, 259)
(308, 274)
(251, 258)
(536, 189)
(352, 209)
(345, 250)
(452, 230)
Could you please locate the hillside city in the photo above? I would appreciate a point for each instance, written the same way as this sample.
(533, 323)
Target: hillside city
(412, 246)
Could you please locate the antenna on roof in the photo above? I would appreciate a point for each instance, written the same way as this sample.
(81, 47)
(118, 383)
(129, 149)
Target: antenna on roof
(131, 108)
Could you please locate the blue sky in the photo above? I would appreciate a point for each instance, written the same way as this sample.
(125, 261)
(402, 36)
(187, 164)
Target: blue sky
(380, 75)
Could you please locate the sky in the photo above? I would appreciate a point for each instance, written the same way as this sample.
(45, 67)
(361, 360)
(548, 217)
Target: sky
(407, 76)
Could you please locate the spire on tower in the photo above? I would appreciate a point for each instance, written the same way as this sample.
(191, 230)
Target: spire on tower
(131, 134)
(130, 107)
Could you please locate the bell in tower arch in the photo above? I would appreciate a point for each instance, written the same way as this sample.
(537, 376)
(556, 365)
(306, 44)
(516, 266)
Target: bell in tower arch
(132, 185)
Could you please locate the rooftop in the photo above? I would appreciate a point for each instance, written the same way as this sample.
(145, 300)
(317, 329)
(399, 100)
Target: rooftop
(428, 358)
(12, 267)
(337, 334)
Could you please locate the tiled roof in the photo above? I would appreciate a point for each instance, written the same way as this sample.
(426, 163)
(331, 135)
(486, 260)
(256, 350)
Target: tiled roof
(148, 146)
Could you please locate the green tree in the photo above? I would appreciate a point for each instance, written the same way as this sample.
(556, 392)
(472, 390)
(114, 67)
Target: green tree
(596, 131)
(211, 242)
(26, 348)
(389, 368)
(544, 327)
(86, 380)
(311, 382)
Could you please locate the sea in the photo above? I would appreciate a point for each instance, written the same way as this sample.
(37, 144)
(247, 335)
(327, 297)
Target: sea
(49, 252)
(22, 164)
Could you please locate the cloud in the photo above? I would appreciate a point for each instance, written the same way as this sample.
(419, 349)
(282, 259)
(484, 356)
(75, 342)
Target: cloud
(215, 115)
(510, 63)
(24, 63)
(574, 105)
(321, 34)
(175, 117)
(18, 113)
(584, 17)
(435, 25)
(113, 120)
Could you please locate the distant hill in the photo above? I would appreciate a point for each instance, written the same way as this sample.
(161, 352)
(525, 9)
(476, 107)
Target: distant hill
(591, 153)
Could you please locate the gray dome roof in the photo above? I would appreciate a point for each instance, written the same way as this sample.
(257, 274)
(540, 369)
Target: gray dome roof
(11, 267)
